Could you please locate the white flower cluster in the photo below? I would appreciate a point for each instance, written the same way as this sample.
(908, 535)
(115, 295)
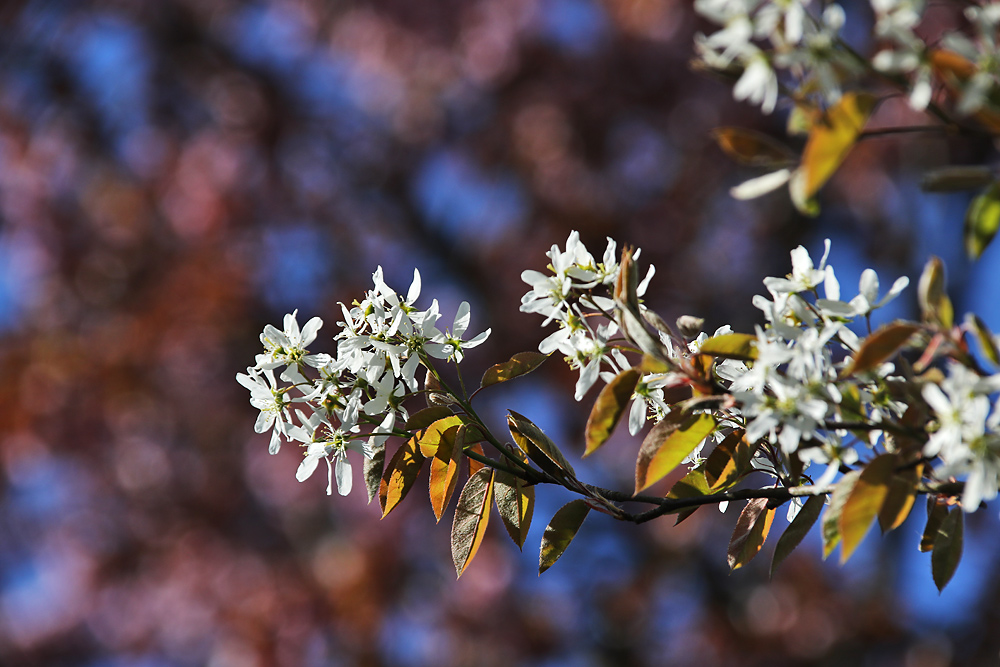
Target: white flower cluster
(968, 435)
(763, 37)
(382, 341)
(792, 393)
(576, 296)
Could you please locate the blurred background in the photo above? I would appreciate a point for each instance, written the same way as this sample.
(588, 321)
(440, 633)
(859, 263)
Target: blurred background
(175, 175)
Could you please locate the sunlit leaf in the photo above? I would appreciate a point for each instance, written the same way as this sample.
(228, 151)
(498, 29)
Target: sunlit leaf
(982, 221)
(948, 548)
(936, 512)
(985, 337)
(797, 530)
(753, 148)
(864, 502)
(751, 530)
(430, 438)
(650, 364)
(609, 407)
(801, 120)
(475, 466)
(881, 346)
(935, 306)
(472, 515)
(424, 418)
(729, 461)
(444, 470)
(731, 346)
(373, 469)
(831, 519)
(692, 485)
(560, 532)
(902, 494)
(538, 446)
(669, 443)
(520, 364)
(516, 502)
(830, 140)
(399, 475)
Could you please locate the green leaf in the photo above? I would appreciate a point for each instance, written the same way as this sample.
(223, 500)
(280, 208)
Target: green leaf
(751, 530)
(982, 221)
(729, 461)
(399, 475)
(373, 469)
(902, 495)
(609, 407)
(753, 148)
(444, 470)
(538, 446)
(936, 512)
(864, 502)
(560, 532)
(797, 530)
(830, 140)
(948, 548)
(985, 337)
(472, 515)
(935, 306)
(520, 364)
(731, 346)
(516, 503)
(831, 520)
(423, 418)
(669, 443)
(881, 346)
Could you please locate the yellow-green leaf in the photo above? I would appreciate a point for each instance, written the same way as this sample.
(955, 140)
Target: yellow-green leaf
(985, 337)
(751, 530)
(936, 512)
(902, 494)
(831, 520)
(692, 485)
(669, 443)
(729, 461)
(516, 503)
(753, 148)
(881, 346)
(947, 548)
(538, 446)
(731, 346)
(935, 306)
(609, 407)
(982, 221)
(864, 502)
(430, 438)
(520, 364)
(797, 530)
(560, 532)
(421, 419)
(444, 470)
(399, 475)
(472, 515)
(830, 140)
